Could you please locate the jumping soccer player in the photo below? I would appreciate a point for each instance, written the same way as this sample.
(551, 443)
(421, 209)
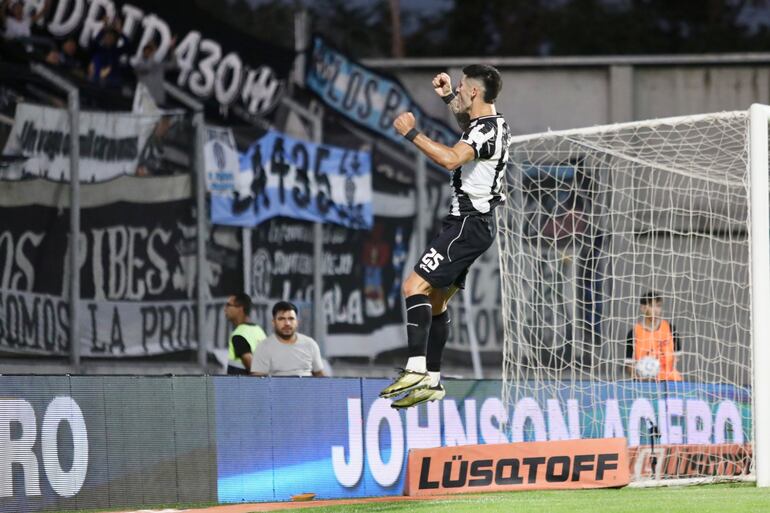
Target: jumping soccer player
(477, 163)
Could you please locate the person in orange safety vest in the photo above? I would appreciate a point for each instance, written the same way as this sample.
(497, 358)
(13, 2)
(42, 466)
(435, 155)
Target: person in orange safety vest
(653, 338)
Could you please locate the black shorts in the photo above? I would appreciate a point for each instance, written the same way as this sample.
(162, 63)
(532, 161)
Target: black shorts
(459, 243)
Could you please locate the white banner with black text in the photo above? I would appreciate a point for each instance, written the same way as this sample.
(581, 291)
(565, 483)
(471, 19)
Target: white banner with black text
(111, 144)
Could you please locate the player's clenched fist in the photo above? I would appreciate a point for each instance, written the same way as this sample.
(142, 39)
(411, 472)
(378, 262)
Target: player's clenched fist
(442, 84)
(404, 122)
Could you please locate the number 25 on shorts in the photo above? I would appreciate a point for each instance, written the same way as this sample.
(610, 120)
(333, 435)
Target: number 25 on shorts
(431, 260)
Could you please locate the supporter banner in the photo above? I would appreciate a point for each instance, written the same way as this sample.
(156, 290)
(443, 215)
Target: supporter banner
(221, 156)
(111, 144)
(39, 324)
(557, 465)
(362, 271)
(360, 444)
(138, 241)
(232, 70)
(681, 461)
(283, 176)
(137, 269)
(367, 97)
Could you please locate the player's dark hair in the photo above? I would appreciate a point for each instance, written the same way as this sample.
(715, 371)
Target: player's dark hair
(489, 76)
(284, 306)
(244, 301)
(649, 298)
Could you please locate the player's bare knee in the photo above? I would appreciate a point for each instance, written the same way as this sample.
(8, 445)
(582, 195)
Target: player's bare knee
(439, 301)
(438, 309)
(414, 284)
(411, 289)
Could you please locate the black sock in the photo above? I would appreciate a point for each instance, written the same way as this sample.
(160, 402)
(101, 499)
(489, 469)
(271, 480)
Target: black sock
(439, 332)
(418, 310)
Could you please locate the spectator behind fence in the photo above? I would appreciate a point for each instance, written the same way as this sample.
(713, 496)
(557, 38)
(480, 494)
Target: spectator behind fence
(151, 72)
(245, 337)
(107, 50)
(287, 352)
(652, 343)
(16, 27)
(17, 24)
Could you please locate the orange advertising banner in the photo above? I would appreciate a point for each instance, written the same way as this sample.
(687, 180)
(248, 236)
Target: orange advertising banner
(563, 464)
(681, 461)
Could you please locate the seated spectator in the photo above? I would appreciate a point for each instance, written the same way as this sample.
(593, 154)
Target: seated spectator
(151, 72)
(286, 352)
(107, 50)
(17, 23)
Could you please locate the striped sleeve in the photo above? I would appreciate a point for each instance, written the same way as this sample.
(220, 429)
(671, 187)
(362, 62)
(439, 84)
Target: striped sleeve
(477, 136)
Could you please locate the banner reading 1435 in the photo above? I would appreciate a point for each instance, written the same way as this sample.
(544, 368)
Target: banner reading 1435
(283, 176)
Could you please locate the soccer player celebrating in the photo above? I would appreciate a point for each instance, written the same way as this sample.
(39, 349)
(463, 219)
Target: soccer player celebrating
(477, 163)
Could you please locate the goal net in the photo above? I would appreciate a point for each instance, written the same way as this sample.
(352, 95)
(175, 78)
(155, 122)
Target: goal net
(597, 219)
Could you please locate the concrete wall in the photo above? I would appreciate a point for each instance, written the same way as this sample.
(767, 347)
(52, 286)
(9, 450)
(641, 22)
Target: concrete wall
(562, 93)
(672, 91)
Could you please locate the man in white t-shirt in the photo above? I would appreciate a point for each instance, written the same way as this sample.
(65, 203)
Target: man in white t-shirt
(18, 23)
(286, 352)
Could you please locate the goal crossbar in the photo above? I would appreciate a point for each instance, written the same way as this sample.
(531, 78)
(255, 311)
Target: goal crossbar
(598, 129)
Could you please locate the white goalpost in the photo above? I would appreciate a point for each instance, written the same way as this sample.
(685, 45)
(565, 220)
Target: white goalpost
(598, 218)
(760, 286)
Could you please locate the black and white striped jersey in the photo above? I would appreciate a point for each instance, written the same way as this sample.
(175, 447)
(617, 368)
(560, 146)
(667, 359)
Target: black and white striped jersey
(477, 185)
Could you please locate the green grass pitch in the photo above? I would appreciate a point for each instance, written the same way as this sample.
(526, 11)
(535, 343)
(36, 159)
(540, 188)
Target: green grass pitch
(720, 498)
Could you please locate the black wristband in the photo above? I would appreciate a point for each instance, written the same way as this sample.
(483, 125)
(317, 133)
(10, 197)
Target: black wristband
(448, 98)
(411, 134)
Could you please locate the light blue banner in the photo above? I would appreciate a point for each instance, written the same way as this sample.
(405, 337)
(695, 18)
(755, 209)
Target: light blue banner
(283, 176)
(368, 98)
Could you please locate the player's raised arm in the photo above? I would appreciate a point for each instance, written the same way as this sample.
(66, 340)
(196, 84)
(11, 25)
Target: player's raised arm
(442, 84)
(448, 157)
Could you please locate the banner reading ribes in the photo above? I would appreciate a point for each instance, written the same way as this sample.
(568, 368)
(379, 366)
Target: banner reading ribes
(283, 176)
(137, 268)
